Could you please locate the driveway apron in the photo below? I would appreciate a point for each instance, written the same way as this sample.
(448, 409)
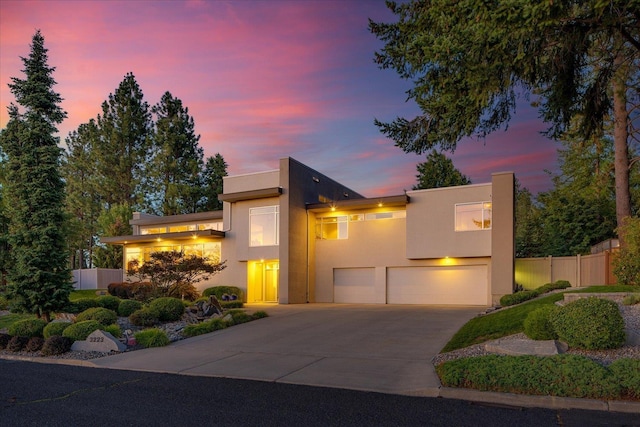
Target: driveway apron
(380, 348)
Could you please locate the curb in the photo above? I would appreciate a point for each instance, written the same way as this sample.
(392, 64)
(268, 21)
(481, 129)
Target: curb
(550, 402)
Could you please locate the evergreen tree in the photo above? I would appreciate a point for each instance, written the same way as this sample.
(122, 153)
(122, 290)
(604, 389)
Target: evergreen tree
(112, 222)
(438, 171)
(215, 169)
(124, 147)
(4, 228)
(177, 160)
(469, 59)
(528, 225)
(39, 280)
(82, 196)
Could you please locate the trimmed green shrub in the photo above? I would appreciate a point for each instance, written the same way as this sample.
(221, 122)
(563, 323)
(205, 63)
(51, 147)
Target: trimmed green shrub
(27, 328)
(537, 324)
(81, 330)
(4, 340)
(55, 328)
(113, 330)
(204, 327)
(259, 314)
(34, 344)
(167, 309)
(103, 315)
(4, 302)
(144, 317)
(83, 304)
(55, 345)
(128, 306)
(631, 299)
(518, 297)
(219, 291)
(152, 338)
(108, 301)
(626, 372)
(590, 323)
(17, 343)
(563, 375)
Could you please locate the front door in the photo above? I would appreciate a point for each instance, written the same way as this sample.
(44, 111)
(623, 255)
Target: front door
(263, 281)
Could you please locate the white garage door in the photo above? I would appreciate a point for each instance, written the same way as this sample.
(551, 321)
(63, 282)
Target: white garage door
(463, 285)
(354, 285)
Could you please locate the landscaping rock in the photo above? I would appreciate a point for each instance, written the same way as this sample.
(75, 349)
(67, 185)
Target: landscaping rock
(99, 341)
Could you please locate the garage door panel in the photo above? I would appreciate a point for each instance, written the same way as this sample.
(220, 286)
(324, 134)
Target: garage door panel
(463, 285)
(354, 285)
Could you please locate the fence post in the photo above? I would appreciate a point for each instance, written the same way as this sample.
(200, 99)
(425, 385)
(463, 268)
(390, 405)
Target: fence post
(578, 270)
(550, 269)
(607, 268)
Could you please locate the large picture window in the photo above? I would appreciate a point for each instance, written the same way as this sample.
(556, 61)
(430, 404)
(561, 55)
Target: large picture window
(264, 225)
(473, 216)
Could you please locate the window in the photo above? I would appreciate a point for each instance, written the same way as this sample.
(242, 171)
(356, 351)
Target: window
(182, 228)
(473, 216)
(153, 230)
(263, 226)
(209, 250)
(332, 228)
(386, 215)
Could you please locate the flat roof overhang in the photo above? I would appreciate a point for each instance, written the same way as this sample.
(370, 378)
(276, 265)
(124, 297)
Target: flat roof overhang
(250, 195)
(175, 219)
(376, 202)
(148, 238)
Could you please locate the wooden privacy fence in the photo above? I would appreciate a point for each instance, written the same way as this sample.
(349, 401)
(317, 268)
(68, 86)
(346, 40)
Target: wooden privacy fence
(579, 270)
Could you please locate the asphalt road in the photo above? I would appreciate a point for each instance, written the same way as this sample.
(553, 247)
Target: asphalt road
(35, 394)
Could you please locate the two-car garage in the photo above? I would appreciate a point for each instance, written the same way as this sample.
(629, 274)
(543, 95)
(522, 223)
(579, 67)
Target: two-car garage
(446, 285)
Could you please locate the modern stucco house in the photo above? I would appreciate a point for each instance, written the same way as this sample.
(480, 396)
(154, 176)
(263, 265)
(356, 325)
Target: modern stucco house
(294, 235)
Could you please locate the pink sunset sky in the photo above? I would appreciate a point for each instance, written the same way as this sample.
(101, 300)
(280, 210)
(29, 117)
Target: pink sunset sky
(262, 79)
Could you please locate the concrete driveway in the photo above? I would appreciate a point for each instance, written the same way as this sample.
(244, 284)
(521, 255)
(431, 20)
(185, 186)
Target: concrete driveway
(381, 348)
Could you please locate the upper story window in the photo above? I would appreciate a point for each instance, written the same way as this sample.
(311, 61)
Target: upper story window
(179, 228)
(473, 216)
(332, 228)
(264, 225)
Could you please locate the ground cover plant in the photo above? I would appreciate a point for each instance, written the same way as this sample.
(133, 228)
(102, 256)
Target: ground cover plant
(152, 338)
(85, 293)
(27, 328)
(7, 320)
(562, 375)
(103, 315)
(55, 328)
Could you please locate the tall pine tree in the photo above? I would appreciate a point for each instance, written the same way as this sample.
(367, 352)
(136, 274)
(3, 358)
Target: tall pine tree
(177, 159)
(215, 168)
(82, 196)
(4, 228)
(124, 147)
(38, 276)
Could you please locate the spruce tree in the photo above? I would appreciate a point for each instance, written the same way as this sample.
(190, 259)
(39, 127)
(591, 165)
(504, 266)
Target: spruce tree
(39, 280)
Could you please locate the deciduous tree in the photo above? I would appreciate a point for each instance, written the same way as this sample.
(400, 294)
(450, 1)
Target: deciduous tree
(39, 279)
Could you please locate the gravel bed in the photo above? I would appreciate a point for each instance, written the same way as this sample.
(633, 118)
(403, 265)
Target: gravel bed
(630, 313)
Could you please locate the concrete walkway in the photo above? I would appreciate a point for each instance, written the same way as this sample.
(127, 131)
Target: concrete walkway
(381, 348)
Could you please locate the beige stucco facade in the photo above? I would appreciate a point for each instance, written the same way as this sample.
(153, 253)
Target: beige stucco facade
(294, 235)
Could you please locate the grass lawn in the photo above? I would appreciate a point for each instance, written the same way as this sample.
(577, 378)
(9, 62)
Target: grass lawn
(510, 321)
(10, 319)
(85, 293)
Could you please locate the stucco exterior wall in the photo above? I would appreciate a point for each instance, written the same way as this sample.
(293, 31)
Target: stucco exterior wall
(431, 223)
(251, 181)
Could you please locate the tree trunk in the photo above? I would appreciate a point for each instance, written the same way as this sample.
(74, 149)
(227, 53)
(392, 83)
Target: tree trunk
(620, 137)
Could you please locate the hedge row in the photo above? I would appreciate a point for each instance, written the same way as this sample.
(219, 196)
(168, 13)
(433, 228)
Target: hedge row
(522, 296)
(563, 375)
